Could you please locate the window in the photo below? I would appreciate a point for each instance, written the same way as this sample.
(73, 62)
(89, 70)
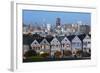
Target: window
(85, 43)
(68, 45)
(89, 42)
(42, 47)
(65, 39)
(62, 45)
(56, 45)
(78, 44)
(35, 43)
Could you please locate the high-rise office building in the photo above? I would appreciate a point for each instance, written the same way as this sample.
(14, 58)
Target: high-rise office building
(58, 21)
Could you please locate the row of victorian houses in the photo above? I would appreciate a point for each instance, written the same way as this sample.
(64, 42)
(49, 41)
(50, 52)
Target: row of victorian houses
(51, 44)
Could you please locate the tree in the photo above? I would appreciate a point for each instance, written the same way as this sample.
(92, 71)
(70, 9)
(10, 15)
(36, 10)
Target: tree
(30, 53)
(58, 54)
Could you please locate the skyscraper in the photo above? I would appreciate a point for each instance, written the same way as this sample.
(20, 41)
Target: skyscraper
(58, 21)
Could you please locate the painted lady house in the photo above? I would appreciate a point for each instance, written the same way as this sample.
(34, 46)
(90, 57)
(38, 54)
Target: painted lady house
(45, 46)
(76, 45)
(55, 46)
(66, 46)
(36, 46)
(72, 45)
(87, 44)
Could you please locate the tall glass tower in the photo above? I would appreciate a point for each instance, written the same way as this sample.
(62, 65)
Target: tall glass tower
(58, 21)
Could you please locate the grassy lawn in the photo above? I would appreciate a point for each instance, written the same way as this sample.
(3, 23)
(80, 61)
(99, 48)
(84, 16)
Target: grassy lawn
(41, 59)
(34, 59)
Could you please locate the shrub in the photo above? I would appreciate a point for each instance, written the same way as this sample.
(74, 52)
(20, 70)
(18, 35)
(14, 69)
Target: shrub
(30, 53)
(58, 54)
(67, 53)
(86, 54)
(79, 53)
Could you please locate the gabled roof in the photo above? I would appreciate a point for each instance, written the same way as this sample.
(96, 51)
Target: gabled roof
(76, 39)
(35, 43)
(55, 39)
(70, 37)
(29, 38)
(87, 37)
(49, 38)
(82, 36)
(65, 39)
(44, 41)
(60, 38)
(39, 40)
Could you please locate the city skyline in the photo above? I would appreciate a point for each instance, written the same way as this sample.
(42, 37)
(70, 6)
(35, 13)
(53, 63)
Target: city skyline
(40, 17)
(56, 36)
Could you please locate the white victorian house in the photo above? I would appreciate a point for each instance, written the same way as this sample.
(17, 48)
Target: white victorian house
(45, 46)
(66, 44)
(36, 46)
(87, 44)
(55, 45)
(76, 44)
